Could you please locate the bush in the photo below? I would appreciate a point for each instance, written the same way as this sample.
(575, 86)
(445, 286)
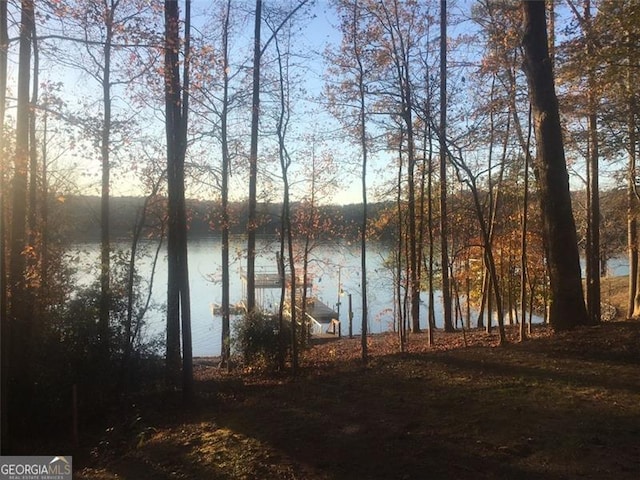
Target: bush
(256, 338)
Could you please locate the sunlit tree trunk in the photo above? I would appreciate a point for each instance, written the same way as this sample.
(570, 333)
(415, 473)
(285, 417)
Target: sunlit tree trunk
(567, 306)
(401, 246)
(428, 165)
(523, 238)
(33, 152)
(632, 223)
(632, 188)
(44, 260)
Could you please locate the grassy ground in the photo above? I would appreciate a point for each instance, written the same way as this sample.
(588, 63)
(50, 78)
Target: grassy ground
(556, 407)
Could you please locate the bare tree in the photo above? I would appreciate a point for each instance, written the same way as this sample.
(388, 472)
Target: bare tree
(258, 51)
(351, 62)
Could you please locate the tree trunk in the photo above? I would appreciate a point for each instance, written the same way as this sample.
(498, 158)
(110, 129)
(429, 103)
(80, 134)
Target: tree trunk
(33, 151)
(430, 226)
(253, 165)
(488, 257)
(19, 316)
(105, 148)
(632, 193)
(401, 248)
(286, 234)
(4, 327)
(363, 227)
(365, 152)
(523, 238)
(226, 320)
(185, 292)
(593, 200)
(178, 294)
(172, 96)
(444, 227)
(567, 305)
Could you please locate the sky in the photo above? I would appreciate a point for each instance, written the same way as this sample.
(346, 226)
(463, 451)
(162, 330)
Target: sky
(318, 32)
(321, 30)
(81, 164)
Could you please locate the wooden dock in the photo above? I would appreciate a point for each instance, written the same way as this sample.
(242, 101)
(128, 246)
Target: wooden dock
(321, 316)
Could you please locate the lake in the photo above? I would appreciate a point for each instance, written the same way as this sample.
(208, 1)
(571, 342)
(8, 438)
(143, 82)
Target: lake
(334, 265)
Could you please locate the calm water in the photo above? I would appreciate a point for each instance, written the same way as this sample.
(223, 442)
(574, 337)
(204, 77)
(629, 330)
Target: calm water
(333, 265)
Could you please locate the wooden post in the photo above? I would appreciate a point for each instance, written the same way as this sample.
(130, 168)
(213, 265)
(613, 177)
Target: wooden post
(350, 318)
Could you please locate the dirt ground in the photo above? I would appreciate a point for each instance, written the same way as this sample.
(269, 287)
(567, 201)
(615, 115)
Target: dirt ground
(555, 407)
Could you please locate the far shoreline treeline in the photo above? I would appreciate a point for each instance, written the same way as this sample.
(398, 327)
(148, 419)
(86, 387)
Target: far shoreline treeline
(79, 217)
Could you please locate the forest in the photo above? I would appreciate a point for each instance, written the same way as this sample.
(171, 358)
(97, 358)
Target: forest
(491, 144)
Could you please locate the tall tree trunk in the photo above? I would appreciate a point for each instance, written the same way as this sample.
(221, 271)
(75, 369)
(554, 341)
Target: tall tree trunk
(17, 279)
(253, 165)
(4, 330)
(44, 260)
(105, 149)
(567, 306)
(401, 248)
(593, 200)
(185, 292)
(178, 294)
(365, 153)
(226, 320)
(444, 226)
(632, 189)
(363, 228)
(19, 315)
(33, 150)
(431, 316)
(172, 97)
(414, 261)
(523, 237)
(252, 222)
(287, 236)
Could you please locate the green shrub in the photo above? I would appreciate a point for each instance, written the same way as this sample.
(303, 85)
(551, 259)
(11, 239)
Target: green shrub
(256, 338)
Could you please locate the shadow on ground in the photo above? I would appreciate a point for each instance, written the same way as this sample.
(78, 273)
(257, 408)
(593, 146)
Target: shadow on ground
(558, 407)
